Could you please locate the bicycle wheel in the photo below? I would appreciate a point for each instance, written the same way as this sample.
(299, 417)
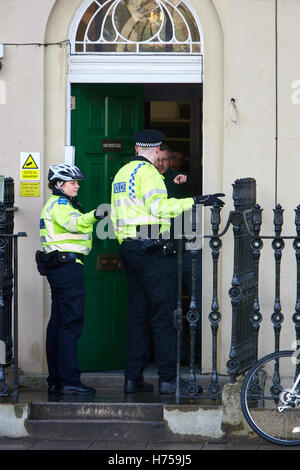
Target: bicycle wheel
(265, 390)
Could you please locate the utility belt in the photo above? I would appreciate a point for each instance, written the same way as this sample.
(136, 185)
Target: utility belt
(165, 247)
(46, 261)
(151, 246)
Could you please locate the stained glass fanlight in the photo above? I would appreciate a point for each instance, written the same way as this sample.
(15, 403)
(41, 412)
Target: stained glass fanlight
(137, 27)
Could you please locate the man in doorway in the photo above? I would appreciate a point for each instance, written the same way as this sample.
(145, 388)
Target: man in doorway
(175, 182)
(177, 186)
(176, 160)
(140, 212)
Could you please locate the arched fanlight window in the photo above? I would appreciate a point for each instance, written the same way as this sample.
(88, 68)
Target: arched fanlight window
(137, 27)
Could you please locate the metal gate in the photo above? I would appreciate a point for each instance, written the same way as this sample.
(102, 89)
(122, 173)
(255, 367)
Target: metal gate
(243, 291)
(246, 221)
(8, 287)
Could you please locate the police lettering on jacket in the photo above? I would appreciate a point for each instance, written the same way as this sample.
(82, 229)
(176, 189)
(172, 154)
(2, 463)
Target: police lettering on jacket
(139, 197)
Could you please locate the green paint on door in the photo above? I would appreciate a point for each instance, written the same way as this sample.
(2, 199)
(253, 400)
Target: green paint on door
(103, 121)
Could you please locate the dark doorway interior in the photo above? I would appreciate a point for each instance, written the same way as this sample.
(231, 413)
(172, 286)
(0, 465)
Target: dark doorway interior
(176, 110)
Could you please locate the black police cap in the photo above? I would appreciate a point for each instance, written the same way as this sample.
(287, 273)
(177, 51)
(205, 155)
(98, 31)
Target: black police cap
(148, 138)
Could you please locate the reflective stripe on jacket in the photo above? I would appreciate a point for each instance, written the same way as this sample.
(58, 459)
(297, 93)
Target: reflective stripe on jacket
(64, 228)
(139, 197)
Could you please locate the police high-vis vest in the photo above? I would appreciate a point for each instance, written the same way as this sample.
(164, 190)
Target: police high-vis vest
(64, 228)
(139, 197)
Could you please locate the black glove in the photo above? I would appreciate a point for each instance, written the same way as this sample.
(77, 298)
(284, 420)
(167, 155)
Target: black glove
(99, 213)
(209, 199)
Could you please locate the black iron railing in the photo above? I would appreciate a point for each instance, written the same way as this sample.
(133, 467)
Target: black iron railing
(278, 244)
(243, 292)
(8, 290)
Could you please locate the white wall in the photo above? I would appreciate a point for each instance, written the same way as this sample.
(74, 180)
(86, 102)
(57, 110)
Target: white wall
(22, 129)
(249, 146)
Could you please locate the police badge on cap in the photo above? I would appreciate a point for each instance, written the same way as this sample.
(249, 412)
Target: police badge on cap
(148, 138)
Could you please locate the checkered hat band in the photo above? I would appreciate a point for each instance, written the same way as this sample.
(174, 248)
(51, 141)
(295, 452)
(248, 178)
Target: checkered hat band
(152, 144)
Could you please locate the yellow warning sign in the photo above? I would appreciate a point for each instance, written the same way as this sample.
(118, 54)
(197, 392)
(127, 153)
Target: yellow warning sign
(29, 189)
(29, 166)
(30, 163)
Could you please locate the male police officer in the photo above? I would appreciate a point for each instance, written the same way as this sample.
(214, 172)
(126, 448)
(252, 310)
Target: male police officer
(141, 214)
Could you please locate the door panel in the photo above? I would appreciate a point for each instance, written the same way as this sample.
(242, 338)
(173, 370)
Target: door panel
(104, 113)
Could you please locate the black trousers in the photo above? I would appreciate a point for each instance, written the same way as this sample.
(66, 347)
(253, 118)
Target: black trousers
(65, 324)
(152, 299)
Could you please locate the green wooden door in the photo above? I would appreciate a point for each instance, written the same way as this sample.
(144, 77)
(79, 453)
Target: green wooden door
(103, 121)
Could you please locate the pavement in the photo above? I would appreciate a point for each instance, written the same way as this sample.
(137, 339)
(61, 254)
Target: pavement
(127, 448)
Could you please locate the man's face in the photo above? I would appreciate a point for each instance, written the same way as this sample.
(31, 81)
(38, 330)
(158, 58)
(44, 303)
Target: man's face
(162, 162)
(176, 161)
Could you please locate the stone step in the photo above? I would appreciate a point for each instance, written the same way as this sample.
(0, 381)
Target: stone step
(91, 429)
(96, 411)
(106, 416)
(113, 421)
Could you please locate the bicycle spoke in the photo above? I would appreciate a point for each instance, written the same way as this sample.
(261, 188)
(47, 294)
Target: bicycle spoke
(269, 404)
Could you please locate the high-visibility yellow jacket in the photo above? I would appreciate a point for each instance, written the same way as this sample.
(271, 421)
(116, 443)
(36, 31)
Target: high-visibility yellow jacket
(139, 197)
(65, 228)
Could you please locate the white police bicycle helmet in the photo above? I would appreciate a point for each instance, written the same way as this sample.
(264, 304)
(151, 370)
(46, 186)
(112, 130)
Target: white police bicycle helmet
(65, 172)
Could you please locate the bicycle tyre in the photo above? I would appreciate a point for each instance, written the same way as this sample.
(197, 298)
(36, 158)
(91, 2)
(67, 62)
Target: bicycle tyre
(260, 396)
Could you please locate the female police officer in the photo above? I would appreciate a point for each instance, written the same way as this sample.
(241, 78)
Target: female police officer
(66, 237)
